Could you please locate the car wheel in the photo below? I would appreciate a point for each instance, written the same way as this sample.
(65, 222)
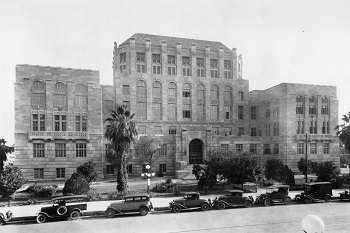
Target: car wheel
(176, 209)
(205, 206)
(61, 210)
(247, 204)
(287, 201)
(74, 215)
(327, 199)
(221, 206)
(2, 222)
(257, 200)
(41, 218)
(144, 211)
(267, 202)
(308, 200)
(109, 213)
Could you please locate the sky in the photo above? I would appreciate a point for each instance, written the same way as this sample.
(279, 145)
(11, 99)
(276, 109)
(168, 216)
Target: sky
(294, 41)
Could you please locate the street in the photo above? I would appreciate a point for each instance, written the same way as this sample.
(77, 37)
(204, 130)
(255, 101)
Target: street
(273, 219)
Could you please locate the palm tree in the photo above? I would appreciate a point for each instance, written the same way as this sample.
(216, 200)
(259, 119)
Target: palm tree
(3, 151)
(344, 132)
(121, 131)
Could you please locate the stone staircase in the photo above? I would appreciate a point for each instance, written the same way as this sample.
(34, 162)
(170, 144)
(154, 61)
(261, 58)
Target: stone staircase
(184, 171)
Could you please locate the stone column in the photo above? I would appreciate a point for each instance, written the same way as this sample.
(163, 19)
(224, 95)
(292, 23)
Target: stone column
(148, 56)
(193, 60)
(234, 64)
(207, 61)
(221, 62)
(132, 55)
(179, 59)
(164, 57)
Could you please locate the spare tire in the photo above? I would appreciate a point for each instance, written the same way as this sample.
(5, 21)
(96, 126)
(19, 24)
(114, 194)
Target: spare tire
(61, 210)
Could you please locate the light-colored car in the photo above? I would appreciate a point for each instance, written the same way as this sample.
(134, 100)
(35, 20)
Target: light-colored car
(5, 217)
(139, 203)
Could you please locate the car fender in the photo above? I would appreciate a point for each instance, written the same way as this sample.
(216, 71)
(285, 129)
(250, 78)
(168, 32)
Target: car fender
(226, 204)
(206, 201)
(115, 209)
(144, 206)
(176, 204)
(44, 213)
(77, 209)
(313, 199)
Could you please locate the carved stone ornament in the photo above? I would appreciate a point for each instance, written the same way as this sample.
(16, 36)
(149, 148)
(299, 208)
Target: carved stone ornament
(207, 51)
(132, 43)
(164, 49)
(193, 52)
(148, 48)
(178, 51)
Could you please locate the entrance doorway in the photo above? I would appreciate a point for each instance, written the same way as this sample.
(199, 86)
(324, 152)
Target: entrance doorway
(196, 152)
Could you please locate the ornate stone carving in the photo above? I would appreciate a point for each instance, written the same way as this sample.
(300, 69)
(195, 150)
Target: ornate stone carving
(132, 43)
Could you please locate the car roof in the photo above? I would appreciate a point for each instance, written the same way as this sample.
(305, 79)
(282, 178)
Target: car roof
(189, 193)
(136, 195)
(278, 186)
(234, 191)
(317, 183)
(69, 197)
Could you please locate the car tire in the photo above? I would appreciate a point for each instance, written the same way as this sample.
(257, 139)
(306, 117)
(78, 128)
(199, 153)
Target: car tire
(287, 200)
(41, 218)
(267, 202)
(109, 213)
(327, 199)
(2, 222)
(176, 209)
(144, 211)
(62, 210)
(247, 204)
(221, 206)
(205, 206)
(308, 200)
(74, 215)
(257, 200)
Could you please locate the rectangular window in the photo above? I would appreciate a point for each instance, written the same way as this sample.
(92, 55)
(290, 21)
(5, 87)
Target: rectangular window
(172, 111)
(224, 146)
(156, 64)
(80, 149)
(300, 148)
(200, 112)
(213, 68)
(300, 127)
(38, 122)
(109, 170)
(313, 148)
(200, 67)
(107, 148)
(157, 130)
(227, 110)
(80, 123)
(144, 169)
(38, 150)
(253, 132)
(171, 59)
(60, 149)
(300, 109)
(186, 71)
(253, 149)
(171, 65)
(140, 57)
(60, 172)
(312, 109)
(276, 149)
(326, 148)
(162, 168)
(172, 130)
(267, 149)
(126, 89)
(141, 68)
(38, 173)
(186, 111)
(240, 131)
(253, 112)
(324, 110)
(313, 127)
(227, 69)
(122, 68)
(171, 70)
(239, 147)
(142, 129)
(276, 129)
(215, 130)
(163, 150)
(60, 122)
(122, 57)
(214, 112)
(157, 111)
(129, 168)
(240, 112)
(228, 131)
(240, 95)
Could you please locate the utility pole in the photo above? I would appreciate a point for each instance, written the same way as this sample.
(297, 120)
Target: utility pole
(306, 161)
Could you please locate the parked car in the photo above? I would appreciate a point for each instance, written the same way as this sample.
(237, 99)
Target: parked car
(274, 194)
(345, 195)
(315, 191)
(63, 207)
(233, 198)
(5, 217)
(190, 200)
(140, 203)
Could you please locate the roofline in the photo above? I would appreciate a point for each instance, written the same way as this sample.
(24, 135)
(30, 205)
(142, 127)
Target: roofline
(56, 67)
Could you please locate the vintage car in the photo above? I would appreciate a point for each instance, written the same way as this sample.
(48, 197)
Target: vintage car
(5, 217)
(139, 203)
(315, 191)
(274, 194)
(345, 195)
(63, 207)
(190, 200)
(233, 198)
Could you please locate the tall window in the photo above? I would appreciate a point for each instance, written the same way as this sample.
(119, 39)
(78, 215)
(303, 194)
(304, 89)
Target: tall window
(228, 131)
(227, 69)
(80, 149)
(60, 95)
(326, 148)
(214, 68)
(171, 65)
(240, 95)
(162, 168)
(276, 149)
(268, 109)
(60, 123)
(157, 101)
(157, 130)
(200, 102)
(276, 129)
(172, 130)
(253, 112)
(325, 127)
(80, 123)
(312, 105)
(239, 147)
(38, 122)
(253, 149)
(126, 89)
(140, 63)
(267, 130)
(109, 170)
(300, 105)
(38, 94)
(300, 148)
(38, 173)
(313, 127)
(324, 107)
(80, 96)
(186, 69)
(240, 112)
(276, 107)
(122, 57)
(156, 64)
(240, 131)
(253, 132)
(172, 101)
(200, 67)
(60, 172)
(267, 149)
(141, 99)
(60, 149)
(300, 127)
(163, 149)
(214, 101)
(228, 102)
(38, 150)
(313, 148)
(186, 101)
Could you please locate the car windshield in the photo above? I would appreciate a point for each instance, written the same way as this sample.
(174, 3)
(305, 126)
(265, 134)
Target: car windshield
(271, 190)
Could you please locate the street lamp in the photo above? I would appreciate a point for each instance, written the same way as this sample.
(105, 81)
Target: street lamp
(148, 175)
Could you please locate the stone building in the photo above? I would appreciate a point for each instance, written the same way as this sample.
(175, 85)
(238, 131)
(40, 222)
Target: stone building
(190, 93)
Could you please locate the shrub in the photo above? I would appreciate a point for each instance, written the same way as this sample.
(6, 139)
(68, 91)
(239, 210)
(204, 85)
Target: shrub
(337, 182)
(116, 195)
(44, 190)
(94, 195)
(326, 171)
(88, 171)
(76, 185)
(11, 179)
(166, 187)
(346, 178)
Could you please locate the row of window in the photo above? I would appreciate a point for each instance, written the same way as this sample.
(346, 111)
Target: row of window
(325, 128)
(60, 122)
(59, 95)
(163, 150)
(129, 168)
(39, 173)
(300, 107)
(60, 150)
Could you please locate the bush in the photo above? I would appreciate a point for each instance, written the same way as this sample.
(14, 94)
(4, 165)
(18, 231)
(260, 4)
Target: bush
(11, 179)
(88, 171)
(94, 195)
(327, 171)
(76, 185)
(44, 190)
(346, 178)
(116, 195)
(337, 182)
(166, 187)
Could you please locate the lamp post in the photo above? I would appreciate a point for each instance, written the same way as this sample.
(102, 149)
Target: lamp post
(148, 174)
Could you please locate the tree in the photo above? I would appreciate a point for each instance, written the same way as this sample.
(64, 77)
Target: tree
(76, 184)
(148, 148)
(121, 131)
(11, 179)
(327, 171)
(275, 170)
(4, 150)
(87, 169)
(344, 132)
(302, 166)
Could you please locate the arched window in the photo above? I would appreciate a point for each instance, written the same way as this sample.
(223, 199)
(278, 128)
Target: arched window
(60, 95)
(38, 94)
(157, 100)
(228, 102)
(200, 102)
(80, 96)
(214, 101)
(172, 101)
(276, 107)
(300, 105)
(186, 101)
(268, 109)
(141, 90)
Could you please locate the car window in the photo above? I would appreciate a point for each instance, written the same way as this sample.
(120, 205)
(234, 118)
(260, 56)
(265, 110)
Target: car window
(144, 198)
(137, 198)
(129, 199)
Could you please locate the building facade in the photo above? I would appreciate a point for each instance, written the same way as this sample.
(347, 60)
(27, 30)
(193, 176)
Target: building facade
(190, 93)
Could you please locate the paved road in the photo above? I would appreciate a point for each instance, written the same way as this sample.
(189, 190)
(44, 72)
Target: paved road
(281, 218)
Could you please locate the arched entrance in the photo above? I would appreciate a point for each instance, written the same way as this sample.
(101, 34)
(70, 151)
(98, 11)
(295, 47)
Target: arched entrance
(196, 151)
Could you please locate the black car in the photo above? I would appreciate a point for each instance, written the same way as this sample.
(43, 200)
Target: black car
(274, 194)
(63, 207)
(140, 203)
(233, 198)
(345, 195)
(315, 191)
(190, 200)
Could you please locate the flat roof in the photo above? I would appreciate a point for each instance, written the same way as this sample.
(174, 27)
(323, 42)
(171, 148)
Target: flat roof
(69, 197)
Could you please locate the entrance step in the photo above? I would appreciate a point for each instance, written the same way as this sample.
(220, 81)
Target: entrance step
(180, 174)
(190, 177)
